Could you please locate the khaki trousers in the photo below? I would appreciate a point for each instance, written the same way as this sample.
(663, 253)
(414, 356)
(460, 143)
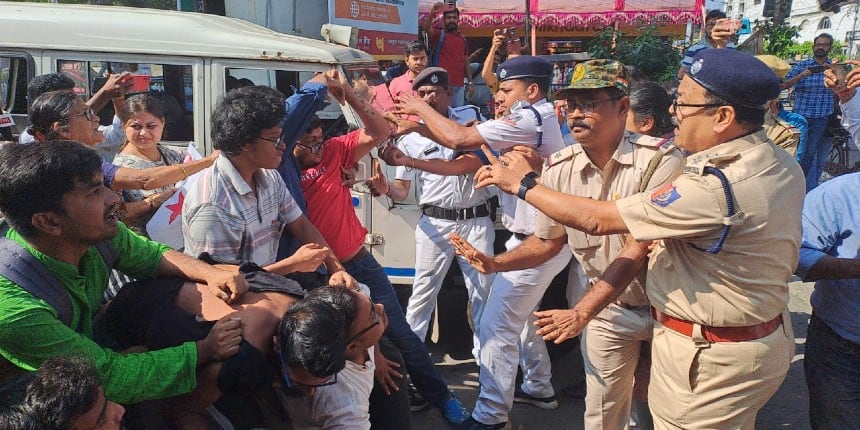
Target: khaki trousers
(697, 385)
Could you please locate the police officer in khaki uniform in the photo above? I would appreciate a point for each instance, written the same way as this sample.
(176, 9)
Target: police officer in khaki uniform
(779, 130)
(727, 236)
(606, 163)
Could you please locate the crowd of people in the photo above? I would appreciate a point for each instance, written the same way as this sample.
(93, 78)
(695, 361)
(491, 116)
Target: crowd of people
(681, 219)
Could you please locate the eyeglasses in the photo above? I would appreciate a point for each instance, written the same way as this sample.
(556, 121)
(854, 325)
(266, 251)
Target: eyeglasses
(374, 316)
(315, 146)
(676, 105)
(276, 142)
(89, 113)
(587, 106)
(294, 388)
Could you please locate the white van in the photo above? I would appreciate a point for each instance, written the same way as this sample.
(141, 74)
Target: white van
(191, 57)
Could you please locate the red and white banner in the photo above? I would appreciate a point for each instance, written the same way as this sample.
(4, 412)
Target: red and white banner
(165, 226)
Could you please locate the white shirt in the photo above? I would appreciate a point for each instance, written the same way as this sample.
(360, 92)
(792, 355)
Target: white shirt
(851, 118)
(344, 405)
(520, 128)
(450, 192)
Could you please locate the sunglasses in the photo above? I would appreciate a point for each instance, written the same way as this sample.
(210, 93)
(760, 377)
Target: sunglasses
(294, 388)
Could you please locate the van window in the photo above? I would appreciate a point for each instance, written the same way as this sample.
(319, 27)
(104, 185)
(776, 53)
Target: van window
(170, 82)
(14, 76)
(334, 123)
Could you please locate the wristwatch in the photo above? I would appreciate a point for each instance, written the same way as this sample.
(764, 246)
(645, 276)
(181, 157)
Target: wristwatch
(528, 182)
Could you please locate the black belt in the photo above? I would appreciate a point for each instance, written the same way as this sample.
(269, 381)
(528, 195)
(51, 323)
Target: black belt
(456, 214)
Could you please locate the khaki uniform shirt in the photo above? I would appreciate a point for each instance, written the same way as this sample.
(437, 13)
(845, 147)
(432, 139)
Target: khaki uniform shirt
(746, 282)
(572, 172)
(781, 133)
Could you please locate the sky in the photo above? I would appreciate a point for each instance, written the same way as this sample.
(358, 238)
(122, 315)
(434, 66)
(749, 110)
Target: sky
(715, 4)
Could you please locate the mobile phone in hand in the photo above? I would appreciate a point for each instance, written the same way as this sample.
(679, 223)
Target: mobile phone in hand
(816, 68)
(841, 71)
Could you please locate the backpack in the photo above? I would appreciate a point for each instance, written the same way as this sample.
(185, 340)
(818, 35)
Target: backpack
(22, 268)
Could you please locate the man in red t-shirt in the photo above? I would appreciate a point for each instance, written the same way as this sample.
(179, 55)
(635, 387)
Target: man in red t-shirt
(330, 211)
(453, 53)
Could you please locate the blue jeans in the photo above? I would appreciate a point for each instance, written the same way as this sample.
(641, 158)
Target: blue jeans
(832, 366)
(817, 150)
(366, 269)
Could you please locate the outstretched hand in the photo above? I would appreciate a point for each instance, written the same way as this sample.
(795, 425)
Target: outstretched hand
(480, 261)
(378, 183)
(559, 325)
(505, 172)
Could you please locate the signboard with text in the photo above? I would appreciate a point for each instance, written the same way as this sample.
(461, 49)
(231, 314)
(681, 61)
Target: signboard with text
(384, 25)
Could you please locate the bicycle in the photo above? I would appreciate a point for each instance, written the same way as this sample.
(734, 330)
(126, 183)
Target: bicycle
(838, 160)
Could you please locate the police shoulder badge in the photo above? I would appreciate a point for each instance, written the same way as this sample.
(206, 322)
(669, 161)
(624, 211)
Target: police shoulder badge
(696, 66)
(665, 195)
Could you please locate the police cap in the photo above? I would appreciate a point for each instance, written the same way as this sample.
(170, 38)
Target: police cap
(736, 77)
(524, 66)
(435, 76)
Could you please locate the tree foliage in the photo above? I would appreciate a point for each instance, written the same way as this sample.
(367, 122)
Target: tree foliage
(778, 38)
(648, 52)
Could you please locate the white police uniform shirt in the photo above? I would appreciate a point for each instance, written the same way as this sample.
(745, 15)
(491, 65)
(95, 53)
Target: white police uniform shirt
(449, 192)
(520, 128)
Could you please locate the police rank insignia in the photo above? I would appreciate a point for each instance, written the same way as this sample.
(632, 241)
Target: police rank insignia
(665, 195)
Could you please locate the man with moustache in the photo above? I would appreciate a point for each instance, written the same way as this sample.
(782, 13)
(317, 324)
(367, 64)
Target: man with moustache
(530, 120)
(450, 50)
(815, 102)
(605, 163)
(728, 236)
(449, 204)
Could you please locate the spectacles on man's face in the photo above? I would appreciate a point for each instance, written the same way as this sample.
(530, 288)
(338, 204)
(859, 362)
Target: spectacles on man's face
(587, 106)
(294, 388)
(313, 144)
(89, 113)
(374, 321)
(676, 105)
(276, 142)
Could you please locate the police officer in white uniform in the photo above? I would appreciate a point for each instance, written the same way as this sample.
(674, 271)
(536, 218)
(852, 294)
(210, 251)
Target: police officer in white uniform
(449, 204)
(530, 120)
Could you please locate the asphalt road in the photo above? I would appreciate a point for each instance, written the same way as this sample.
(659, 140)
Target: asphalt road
(786, 410)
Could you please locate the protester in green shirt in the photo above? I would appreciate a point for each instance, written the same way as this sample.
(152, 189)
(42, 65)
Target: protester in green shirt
(53, 198)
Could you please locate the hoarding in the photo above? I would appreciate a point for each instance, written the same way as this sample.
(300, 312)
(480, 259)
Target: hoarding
(384, 26)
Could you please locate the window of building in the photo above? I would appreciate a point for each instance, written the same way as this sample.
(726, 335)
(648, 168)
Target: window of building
(824, 23)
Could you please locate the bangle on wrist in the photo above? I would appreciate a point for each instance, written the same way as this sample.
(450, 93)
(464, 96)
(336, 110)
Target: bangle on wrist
(184, 172)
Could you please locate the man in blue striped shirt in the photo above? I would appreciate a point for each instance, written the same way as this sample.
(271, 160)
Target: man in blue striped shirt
(815, 102)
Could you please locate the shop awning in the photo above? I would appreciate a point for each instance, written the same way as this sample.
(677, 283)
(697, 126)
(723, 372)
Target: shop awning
(572, 13)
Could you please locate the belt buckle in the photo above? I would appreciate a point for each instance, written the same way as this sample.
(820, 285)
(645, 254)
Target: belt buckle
(461, 214)
(698, 336)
